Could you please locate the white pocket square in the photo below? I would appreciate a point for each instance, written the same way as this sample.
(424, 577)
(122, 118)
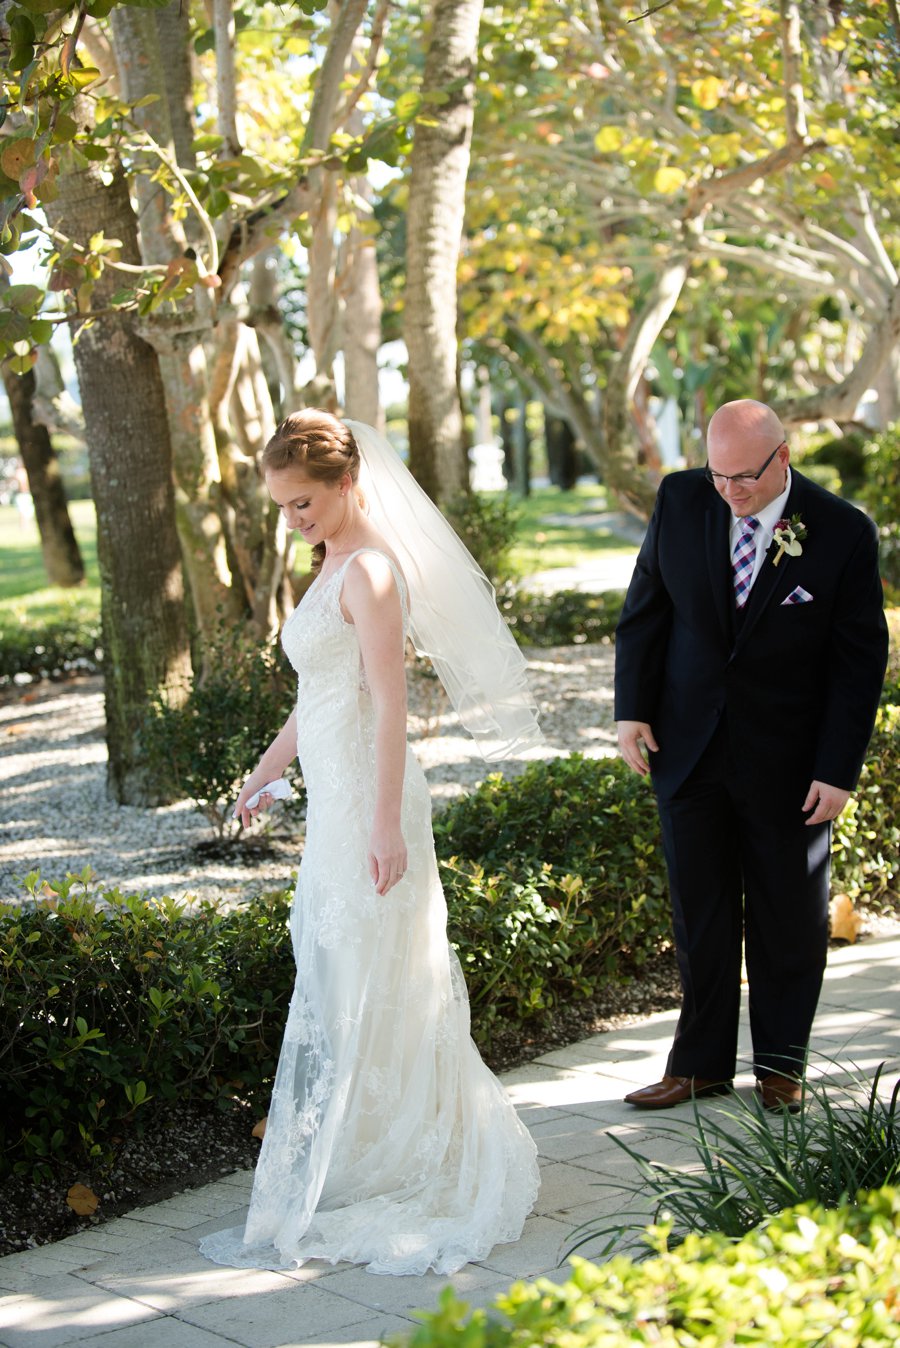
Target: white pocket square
(798, 596)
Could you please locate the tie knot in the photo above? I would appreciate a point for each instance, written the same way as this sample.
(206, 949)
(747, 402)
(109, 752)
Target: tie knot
(751, 524)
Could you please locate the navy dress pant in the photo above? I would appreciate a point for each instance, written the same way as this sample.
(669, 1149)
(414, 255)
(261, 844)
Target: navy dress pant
(742, 872)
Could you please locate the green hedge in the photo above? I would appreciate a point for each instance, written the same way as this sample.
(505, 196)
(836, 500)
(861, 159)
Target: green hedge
(70, 643)
(105, 1007)
(51, 648)
(866, 847)
(554, 881)
(880, 495)
(566, 618)
(808, 1277)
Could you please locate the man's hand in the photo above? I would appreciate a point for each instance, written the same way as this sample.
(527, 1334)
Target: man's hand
(631, 735)
(828, 802)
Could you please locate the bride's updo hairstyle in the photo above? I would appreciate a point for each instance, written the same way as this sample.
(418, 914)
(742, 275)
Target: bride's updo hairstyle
(321, 446)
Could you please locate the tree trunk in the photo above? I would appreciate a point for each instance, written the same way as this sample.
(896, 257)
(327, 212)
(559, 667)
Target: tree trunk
(562, 456)
(62, 558)
(151, 62)
(53, 405)
(145, 638)
(620, 471)
(440, 164)
(362, 327)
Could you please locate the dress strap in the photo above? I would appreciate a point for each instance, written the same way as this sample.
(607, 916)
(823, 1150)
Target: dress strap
(398, 574)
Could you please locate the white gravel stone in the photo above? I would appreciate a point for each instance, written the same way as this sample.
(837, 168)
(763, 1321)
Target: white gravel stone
(56, 817)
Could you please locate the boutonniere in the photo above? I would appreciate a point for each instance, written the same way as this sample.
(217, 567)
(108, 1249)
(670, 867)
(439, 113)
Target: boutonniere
(789, 535)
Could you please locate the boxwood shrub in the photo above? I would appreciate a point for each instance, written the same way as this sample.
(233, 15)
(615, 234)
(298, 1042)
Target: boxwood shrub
(808, 1277)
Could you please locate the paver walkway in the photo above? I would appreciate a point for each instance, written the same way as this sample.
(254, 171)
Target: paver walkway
(138, 1281)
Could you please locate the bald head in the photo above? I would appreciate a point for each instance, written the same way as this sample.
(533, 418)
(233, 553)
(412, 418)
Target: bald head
(754, 423)
(741, 436)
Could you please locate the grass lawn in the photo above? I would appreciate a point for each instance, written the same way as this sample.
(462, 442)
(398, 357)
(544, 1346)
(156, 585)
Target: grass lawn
(24, 592)
(539, 546)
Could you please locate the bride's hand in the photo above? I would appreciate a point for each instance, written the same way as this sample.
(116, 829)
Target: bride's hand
(387, 858)
(248, 791)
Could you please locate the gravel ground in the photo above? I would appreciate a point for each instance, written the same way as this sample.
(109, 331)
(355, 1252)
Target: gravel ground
(56, 817)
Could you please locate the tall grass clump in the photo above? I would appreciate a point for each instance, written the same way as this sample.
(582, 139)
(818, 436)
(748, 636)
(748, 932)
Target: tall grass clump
(742, 1164)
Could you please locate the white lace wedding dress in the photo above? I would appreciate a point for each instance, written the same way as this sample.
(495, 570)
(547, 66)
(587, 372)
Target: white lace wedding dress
(389, 1143)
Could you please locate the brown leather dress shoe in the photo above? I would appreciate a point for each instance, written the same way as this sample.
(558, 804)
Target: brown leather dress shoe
(674, 1091)
(780, 1092)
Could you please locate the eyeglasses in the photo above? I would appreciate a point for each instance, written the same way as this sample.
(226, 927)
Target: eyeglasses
(720, 479)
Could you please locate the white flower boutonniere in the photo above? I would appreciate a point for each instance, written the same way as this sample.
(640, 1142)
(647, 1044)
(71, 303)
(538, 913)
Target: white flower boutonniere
(789, 535)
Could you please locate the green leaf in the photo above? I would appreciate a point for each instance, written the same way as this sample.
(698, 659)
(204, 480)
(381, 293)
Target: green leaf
(39, 6)
(205, 41)
(66, 129)
(205, 143)
(23, 297)
(408, 105)
(41, 331)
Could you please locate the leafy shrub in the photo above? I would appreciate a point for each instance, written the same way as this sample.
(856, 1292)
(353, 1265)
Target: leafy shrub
(487, 525)
(844, 457)
(51, 648)
(591, 817)
(809, 1276)
(749, 1164)
(108, 1002)
(568, 617)
(554, 881)
(526, 942)
(866, 845)
(881, 496)
(204, 748)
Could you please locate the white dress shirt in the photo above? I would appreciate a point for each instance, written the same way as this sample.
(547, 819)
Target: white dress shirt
(768, 517)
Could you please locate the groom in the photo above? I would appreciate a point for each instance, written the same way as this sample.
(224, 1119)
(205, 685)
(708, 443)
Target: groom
(749, 662)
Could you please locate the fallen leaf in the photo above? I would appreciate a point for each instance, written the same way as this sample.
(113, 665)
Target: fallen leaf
(845, 920)
(82, 1200)
(260, 1128)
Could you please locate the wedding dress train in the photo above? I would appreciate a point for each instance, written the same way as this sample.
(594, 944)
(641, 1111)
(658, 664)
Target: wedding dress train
(389, 1143)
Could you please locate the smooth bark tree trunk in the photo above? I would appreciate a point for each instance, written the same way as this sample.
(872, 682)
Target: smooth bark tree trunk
(145, 638)
(362, 328)
(440, 164)
(59, 546)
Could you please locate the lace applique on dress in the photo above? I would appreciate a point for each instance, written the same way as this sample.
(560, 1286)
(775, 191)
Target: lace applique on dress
(388, 1143)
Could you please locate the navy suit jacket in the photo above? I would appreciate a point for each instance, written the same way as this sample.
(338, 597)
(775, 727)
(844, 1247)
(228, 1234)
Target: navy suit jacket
(797, 684)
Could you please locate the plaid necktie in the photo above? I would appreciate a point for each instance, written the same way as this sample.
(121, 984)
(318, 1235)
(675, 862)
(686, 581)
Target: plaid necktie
(742, 560)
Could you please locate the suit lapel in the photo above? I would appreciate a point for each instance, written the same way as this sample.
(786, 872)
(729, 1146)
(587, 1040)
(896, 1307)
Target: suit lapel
(772, 579)
(718, 532)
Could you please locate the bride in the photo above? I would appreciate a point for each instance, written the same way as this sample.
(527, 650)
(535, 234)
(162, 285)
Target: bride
(388, 1143)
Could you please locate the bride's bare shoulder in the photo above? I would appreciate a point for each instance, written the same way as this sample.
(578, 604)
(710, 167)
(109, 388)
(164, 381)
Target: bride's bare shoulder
(372, 574)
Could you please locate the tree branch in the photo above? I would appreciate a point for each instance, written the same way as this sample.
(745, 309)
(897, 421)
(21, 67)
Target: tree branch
(792, 56)
(250, 235)
(367, 70)
(839, 401)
